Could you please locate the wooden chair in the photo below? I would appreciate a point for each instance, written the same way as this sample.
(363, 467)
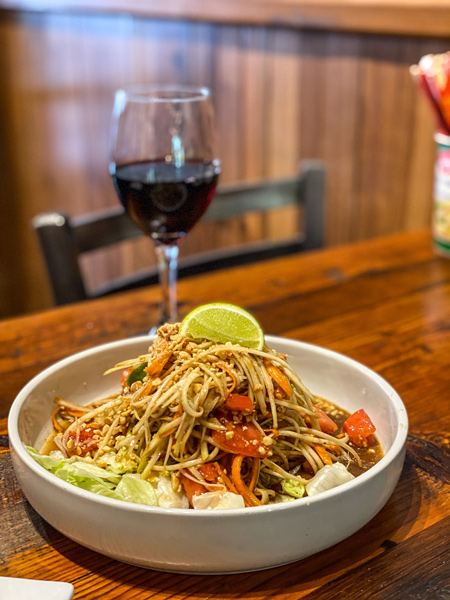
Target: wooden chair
(63, 240)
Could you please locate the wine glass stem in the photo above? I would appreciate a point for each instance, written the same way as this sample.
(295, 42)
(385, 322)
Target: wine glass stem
(167, 257)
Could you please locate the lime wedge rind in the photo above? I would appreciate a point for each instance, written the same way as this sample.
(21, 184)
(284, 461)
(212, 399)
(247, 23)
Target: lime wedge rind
(222, 322)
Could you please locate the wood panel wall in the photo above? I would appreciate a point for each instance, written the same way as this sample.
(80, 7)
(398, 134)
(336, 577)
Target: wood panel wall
(281, 94)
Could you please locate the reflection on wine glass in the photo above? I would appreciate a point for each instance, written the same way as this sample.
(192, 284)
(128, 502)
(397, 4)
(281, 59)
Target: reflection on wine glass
(165, 168)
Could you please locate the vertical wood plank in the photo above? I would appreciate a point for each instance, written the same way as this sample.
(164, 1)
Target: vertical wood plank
(284, 102)
(281, 95)
(387, 125)
(254, 100)
(341, 133)
(226, 85)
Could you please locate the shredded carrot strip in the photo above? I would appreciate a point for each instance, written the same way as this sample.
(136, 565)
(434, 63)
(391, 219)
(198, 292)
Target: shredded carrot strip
(249, 497)
(177, 415)
(70, 411)
(254, 474)
(230, 373)
(279, 377)
(73, 412)
(225, 479)
(168, 432)
(326, 458)
(154, 370)
(275, 432)
(158, 364)
(56, 425)
(148, 386)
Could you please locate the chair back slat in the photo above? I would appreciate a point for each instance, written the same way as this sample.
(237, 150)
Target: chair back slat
(237, 200)
(61, 255)
(313, 194)
(104, 229)
(63, 240)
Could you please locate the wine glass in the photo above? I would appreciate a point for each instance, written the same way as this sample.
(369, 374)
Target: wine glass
(165, 168)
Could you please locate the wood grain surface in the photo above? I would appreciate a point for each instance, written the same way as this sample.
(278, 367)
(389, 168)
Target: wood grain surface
(282, 93)
(384, 302)
(412, 17)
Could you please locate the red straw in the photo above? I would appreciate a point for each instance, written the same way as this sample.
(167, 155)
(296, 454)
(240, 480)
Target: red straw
(423, 82)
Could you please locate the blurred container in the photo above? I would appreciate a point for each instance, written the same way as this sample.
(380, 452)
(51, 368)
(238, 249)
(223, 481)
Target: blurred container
(441, 194)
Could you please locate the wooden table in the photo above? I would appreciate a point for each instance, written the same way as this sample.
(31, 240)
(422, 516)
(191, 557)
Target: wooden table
(385, 303)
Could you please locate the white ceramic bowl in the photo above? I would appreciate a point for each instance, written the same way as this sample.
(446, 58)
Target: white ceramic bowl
(209, 541)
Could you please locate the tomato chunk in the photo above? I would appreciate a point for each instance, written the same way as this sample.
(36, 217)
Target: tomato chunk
(209, 472)
(237, 402)
(124, 376)
(359, 428)
(241, 437)
(83, 442)
(191, 487)
(194, 488)
(327, 425)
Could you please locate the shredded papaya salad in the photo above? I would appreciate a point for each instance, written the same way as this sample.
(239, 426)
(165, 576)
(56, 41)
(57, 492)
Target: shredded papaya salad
(205, 425)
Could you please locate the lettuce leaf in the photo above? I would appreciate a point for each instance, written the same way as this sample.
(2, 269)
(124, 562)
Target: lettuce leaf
(80, 470)
(218, 500)
(109, 482)
(329, 477)
(292, 488)
(51, 463)
(167, 497)
(81, 474)
(134, 489)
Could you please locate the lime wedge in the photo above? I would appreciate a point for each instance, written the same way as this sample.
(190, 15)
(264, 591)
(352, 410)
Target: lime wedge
(221, 322)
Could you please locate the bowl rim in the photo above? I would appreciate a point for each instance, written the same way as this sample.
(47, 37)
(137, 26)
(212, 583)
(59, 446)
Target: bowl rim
(396, 448)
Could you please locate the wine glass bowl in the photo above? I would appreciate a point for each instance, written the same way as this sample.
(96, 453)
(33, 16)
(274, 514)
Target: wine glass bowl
(164, 167)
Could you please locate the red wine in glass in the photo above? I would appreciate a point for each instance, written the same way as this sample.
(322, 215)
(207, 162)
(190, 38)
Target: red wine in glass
(165, 168)
(164, 200)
